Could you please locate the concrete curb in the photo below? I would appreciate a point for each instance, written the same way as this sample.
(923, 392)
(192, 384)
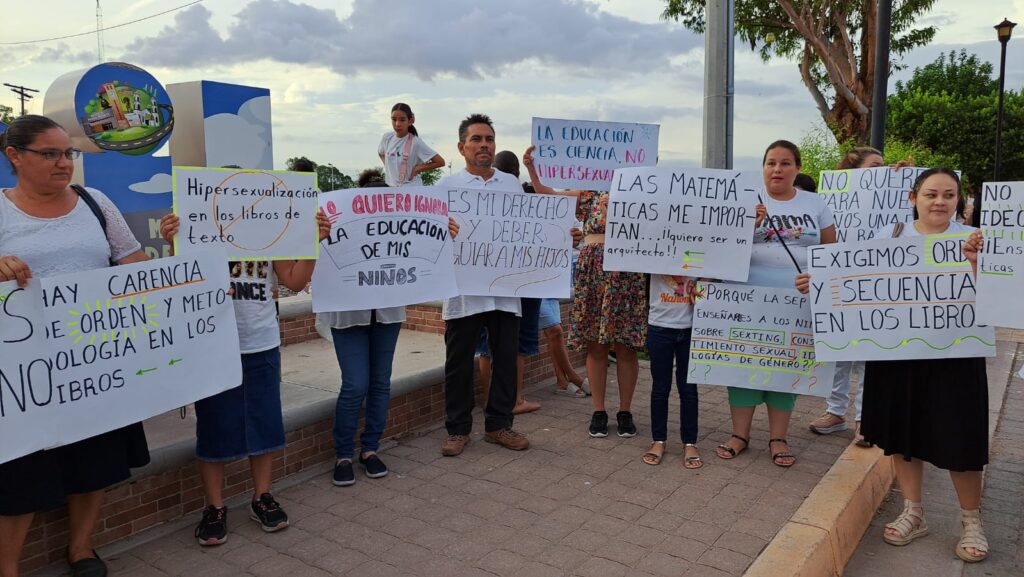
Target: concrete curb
(819, 539)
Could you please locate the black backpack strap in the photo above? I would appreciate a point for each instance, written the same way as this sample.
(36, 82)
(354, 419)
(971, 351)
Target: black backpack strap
(92, 204)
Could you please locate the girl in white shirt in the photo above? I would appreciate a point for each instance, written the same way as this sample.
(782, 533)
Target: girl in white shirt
(403, 152)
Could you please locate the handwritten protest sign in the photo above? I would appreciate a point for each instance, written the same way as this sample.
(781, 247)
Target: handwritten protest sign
(864, 200)
(252, 214)
(388, 247)
(895, 298)
(512, 243)
(1001, 262)
(756, 338)
(583, 154)
(93, 351)
(695, 222)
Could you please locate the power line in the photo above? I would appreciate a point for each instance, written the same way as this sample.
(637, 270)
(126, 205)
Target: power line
(101, 29)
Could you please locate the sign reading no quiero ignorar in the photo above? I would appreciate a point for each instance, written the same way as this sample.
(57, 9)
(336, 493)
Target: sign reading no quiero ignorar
(697, 222)
(1001, 263)
(93, 351)
(388, 247)
(893, 299)
(583, 154)
(756, 338)
(864, 200)
(251, 214)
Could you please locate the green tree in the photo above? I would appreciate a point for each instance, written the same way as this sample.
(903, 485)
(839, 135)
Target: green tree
(949, 106)
(832, 40)
(6, 114)
(430, 177)
(819, 151)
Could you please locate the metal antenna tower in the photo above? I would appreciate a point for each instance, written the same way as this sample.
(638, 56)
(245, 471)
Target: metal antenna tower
(99, 32)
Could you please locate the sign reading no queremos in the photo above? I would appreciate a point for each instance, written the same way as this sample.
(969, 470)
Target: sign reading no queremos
(756, 338)
(1001, 262)
(388, 247)
(251, 214)
(894, 299)
(93, 351)
(697, 222)
(512, 244)
(583, 154)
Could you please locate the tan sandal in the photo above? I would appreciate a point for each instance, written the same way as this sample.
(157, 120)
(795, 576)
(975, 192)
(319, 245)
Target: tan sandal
(691, 461)
(971, 536)
(652, 457)
(908, 526)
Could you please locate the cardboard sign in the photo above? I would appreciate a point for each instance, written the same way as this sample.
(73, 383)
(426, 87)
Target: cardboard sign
(512, 244)
(388, 247)
(583, 154)
(1001, 262)
(696, 222)
(252, 214)
(756, 338)
(89, 352)
(894, 299)
(864, 200)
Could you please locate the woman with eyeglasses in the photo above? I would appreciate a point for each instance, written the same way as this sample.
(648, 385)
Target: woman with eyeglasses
(50, 227)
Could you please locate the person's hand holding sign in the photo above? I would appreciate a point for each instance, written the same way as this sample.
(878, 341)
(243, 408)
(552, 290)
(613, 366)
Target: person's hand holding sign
(972, 246)
(12, 267)
(762, 212)
(803, 282)
(323, 224)
(169, 225)
(453, 227)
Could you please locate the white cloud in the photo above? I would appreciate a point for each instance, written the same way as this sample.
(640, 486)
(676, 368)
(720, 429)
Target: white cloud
(157, 184)
(242, 139)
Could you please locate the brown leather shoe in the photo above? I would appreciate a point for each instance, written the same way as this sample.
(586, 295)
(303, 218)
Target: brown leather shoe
(454, 445)
(508, 438)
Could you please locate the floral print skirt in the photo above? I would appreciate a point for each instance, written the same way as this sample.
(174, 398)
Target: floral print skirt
(608, 307)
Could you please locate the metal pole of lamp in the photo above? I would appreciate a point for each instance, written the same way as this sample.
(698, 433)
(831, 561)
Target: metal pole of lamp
(1003, 31)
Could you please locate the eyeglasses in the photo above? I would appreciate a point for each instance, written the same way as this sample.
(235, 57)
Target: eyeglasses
(52, 154)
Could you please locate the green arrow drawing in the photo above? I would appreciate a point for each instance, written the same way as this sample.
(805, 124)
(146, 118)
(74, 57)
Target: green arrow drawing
(692, 259)
(141, 372)
(689, 252)
(174, 362)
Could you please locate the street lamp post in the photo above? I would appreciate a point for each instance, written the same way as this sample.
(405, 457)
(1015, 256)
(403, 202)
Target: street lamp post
(1004, 30)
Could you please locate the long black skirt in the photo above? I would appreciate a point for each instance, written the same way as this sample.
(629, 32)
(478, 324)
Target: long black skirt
(935, 410)
(41, 481)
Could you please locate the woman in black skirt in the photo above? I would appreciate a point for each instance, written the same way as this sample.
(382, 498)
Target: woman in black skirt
(47, 228)
(933, 410)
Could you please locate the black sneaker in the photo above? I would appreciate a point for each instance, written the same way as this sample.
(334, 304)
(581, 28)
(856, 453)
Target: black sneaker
(374, 467)
(213, 529)
(343, 474)
(626, 427)
(268, 514)
(599, 424)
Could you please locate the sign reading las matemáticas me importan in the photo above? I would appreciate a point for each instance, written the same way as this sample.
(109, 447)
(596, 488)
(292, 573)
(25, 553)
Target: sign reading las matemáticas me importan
(89, 352)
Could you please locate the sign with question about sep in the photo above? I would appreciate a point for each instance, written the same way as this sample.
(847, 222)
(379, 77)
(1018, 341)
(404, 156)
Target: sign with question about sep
(388, 247)
(696, 222)
(93, 351)
(756, 338)
(252, 214)
(911, 297)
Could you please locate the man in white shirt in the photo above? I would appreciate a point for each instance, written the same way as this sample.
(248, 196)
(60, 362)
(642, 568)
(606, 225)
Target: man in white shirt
(467, 316)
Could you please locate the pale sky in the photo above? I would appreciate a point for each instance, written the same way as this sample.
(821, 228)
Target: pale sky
(335, 68)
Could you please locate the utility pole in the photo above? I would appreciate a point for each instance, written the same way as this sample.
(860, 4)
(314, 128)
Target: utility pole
(719, 88)
(99, 32)
(23, 94)
(881, 88)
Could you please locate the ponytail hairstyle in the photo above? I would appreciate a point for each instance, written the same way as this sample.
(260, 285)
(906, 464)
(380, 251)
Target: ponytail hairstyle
(788, 146)
(930, 173)
(857, 156)
(403, 107)
(22, 132)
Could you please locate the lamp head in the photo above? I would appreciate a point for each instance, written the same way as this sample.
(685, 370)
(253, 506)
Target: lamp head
(1004, 29)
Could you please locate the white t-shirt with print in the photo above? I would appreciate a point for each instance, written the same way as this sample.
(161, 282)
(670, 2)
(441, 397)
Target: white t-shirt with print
(800, 221)
(464, 306)
(255, 311)
(70, 243)
(671, 299)
(392, 149)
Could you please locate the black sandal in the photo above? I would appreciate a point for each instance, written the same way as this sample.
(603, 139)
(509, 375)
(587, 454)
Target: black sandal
(88, 566)
(733, 453)
(781, 454)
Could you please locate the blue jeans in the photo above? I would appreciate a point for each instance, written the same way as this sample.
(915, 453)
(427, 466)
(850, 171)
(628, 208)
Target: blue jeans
(665, 345)
(364, 355)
